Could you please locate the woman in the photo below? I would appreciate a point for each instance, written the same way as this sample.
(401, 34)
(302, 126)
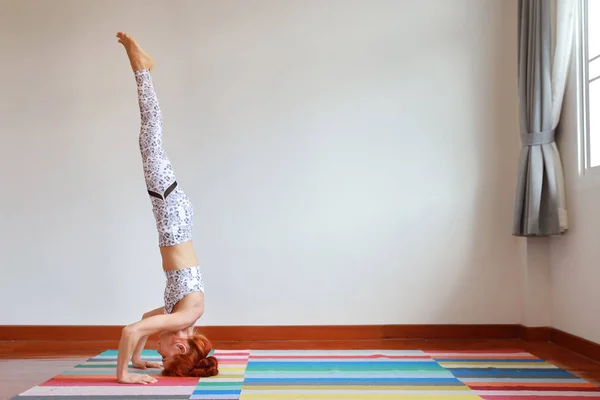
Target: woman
(184, 353)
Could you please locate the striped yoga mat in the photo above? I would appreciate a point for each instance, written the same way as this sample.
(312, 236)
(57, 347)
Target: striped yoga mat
(339, 375)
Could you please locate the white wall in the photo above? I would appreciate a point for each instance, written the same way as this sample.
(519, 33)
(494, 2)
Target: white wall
(537, 288)
(574, 256)
(349, 161)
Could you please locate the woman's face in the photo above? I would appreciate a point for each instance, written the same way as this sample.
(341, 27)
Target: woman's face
(170, 345)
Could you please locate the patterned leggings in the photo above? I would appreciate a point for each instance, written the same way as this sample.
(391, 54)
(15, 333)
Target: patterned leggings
(172, 209)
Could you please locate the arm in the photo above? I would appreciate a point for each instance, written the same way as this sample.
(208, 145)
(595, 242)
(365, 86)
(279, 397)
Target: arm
(136, 358)
(132, 334)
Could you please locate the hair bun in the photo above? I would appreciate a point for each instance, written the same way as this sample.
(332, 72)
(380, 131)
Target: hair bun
(206, 367)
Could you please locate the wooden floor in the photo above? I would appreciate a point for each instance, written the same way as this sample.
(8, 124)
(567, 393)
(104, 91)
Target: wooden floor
(25, 364)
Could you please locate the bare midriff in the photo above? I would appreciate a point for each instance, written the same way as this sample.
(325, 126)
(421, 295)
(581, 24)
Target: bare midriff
(180, 256)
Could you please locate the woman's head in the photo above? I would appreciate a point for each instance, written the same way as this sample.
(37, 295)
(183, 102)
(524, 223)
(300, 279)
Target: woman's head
(186, 356)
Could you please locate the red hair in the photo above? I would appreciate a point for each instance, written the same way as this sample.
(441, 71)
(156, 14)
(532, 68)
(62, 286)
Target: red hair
(195, 362)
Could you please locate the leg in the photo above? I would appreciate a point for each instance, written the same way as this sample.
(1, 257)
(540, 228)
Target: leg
(172, 209)
(158, 172)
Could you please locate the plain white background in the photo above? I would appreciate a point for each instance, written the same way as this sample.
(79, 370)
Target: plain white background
(349, 161)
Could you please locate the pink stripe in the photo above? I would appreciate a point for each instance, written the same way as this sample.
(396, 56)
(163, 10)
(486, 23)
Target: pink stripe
(540, 397)
(474, 351)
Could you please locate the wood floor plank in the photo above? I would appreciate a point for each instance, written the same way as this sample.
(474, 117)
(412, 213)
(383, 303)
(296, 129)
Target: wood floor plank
(16, 376)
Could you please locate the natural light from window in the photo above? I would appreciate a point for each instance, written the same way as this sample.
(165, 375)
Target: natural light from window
(593, 79)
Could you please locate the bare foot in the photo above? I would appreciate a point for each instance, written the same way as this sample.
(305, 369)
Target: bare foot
(138, 58)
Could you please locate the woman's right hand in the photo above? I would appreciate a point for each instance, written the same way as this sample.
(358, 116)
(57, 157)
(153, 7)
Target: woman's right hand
(137, 378)
(141, 364)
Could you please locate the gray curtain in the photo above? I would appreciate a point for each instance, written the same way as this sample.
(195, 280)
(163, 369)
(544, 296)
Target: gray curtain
(539, 202)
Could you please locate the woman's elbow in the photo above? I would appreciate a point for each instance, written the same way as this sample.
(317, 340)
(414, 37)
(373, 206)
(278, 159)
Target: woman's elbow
(129, 331)
(193, 316)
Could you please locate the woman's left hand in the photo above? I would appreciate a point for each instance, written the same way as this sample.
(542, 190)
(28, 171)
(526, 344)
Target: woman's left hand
(137, 379)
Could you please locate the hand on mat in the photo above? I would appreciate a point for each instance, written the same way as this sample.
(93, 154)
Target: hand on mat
(138, 378)
(141, 364)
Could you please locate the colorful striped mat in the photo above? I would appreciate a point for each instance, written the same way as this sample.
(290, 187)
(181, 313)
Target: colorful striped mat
(339, 375)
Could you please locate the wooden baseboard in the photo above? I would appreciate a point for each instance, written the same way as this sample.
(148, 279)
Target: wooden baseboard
(319, 333)
(103, 333)
(536, 334)
(576, 344)
(274, 333)
(361, 332)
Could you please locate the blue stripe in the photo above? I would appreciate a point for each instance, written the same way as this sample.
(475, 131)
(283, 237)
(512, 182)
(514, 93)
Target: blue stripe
(114, 353)
(205, 392)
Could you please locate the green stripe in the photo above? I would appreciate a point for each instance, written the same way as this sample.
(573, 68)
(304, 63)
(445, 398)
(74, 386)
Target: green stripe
(206, 386)
(211, 383)
(359, 373)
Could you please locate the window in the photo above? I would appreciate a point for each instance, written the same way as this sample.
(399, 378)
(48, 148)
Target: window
(590, 70)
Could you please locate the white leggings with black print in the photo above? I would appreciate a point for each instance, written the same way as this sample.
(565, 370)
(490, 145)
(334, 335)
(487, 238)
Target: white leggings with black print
(172, 209)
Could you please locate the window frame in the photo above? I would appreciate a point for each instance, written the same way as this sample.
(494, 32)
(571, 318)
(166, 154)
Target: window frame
(583, 82)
